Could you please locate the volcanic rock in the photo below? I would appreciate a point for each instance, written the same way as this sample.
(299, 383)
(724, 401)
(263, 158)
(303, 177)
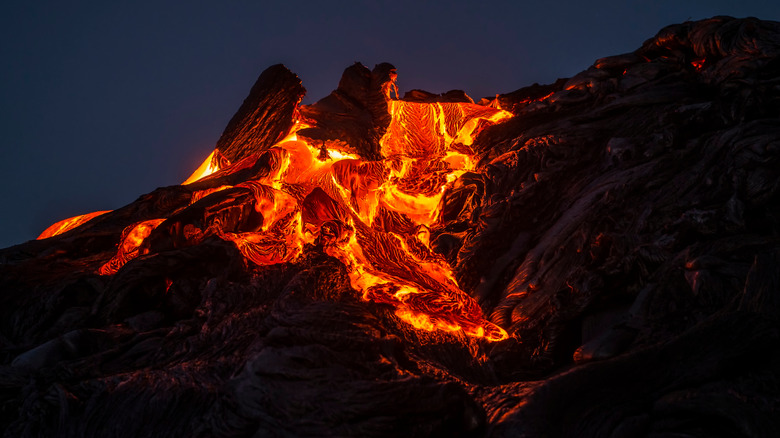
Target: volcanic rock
(621, 227)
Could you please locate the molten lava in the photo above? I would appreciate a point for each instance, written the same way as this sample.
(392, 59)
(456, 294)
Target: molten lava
(130, 242)
(68, 224)
(373, 216)
(208, 167)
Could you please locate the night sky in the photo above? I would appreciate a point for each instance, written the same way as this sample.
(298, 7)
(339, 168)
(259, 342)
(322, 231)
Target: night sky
(101, 102)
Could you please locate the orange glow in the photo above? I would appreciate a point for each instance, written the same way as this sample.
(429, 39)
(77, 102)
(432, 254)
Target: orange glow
(129, 245)
(373, 216)
(280, 242)
(420, 155)
(698, 64)
(424, 153)
(543, 98)
(200, 194)
(206, 168)
(69, 224)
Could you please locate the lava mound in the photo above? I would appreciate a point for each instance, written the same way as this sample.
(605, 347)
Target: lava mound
(595, 257)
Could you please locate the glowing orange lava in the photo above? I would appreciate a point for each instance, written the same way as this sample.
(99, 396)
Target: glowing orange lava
(373, 216)
(69, 224)
(130, 242)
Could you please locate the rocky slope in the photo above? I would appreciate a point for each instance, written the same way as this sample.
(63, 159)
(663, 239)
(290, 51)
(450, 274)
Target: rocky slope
(622, 227)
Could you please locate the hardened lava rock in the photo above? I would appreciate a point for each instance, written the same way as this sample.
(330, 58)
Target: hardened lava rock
(623, 227)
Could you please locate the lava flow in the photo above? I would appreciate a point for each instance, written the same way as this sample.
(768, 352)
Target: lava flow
(373, 216)
(65, 225)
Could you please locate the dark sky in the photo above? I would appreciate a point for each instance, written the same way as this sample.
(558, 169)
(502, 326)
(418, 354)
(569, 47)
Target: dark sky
(101, 102)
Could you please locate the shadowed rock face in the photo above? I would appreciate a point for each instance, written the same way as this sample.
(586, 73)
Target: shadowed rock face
(265, 116)
(622, 227)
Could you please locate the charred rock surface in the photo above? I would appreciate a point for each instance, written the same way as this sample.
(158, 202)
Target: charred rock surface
(354, 116)
(623, 228)
(265, 116)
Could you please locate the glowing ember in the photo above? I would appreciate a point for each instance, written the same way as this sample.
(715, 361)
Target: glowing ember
(69, 224)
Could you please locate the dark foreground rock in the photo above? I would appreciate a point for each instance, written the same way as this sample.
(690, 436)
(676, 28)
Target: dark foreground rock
(623, 228)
